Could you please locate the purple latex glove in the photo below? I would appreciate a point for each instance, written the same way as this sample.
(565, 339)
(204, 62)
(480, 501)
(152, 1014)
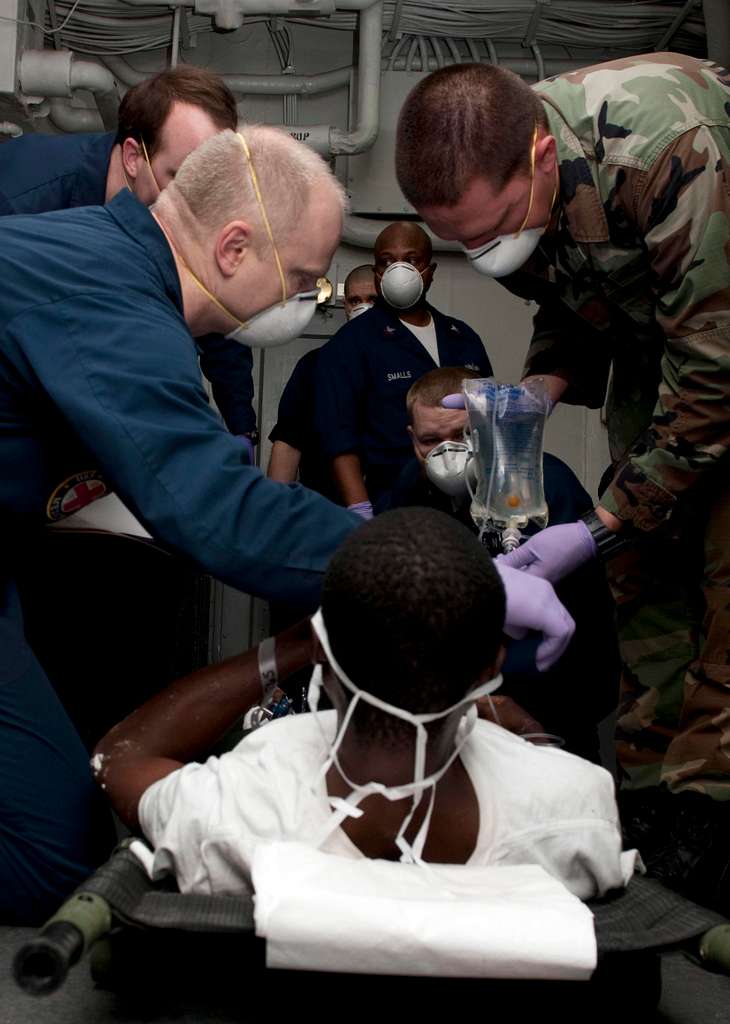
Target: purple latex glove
(454, 401)
(553, 553)
(248, 445)
(533, 604)
(364, 509)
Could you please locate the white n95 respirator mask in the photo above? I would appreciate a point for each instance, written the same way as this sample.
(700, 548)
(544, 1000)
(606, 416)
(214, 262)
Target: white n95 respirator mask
(278, 324)
(401, 285)
(505, 253)
(447, 465)
(362, 307)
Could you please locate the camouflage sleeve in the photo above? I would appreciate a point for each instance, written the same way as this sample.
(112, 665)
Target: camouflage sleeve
(563, 345)
(682, 208)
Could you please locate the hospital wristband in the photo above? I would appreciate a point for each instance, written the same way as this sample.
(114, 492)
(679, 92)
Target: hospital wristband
(268, 673)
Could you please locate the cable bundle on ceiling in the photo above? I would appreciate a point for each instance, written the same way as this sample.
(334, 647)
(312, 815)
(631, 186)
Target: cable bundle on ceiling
(105, 27)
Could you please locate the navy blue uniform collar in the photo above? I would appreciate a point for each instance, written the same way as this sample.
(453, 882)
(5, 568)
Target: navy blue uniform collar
(136, 221)
(90, 185)
(389, 324)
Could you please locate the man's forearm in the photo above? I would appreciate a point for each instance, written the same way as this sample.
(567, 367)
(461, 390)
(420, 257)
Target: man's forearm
(609, 519)
(347, 471)
(556, 386)
(185, 720)
(571, 354)
(284, 463)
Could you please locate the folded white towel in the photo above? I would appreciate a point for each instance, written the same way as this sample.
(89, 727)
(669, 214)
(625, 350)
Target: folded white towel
(318, 911)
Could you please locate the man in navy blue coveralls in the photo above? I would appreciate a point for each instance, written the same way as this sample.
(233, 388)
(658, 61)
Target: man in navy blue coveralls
(98, 311)
(171, 113)
(366, 369)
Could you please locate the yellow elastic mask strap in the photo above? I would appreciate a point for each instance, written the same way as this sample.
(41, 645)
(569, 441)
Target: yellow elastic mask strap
(144, 151)
(267, 225)
(211, 296)
(532, 180)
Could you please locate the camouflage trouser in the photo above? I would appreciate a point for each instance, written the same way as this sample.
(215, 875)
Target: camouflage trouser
(673, 616)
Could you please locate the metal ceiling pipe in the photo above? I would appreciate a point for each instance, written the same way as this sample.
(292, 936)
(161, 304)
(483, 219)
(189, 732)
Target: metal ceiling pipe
(123, 70)
(73, 119)
(370, 23)
(362, 232)
(230, 14)
(100, 82)
(249, 85)
(288, 85)
(359, 139)
(57, 74)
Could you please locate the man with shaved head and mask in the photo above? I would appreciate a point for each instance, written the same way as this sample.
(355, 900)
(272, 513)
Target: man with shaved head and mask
(364, 372)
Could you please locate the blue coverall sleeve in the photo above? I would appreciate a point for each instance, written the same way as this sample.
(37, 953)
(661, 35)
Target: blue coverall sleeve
(228, 366)
(340, 386)
(126, 379)
(296, 407)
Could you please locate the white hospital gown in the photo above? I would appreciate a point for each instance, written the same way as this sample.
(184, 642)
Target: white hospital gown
(537, 805)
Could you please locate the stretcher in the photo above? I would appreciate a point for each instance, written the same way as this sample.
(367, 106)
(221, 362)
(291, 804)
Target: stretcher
(139, 934)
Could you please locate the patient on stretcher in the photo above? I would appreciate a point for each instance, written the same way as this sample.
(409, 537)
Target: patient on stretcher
(407, 640)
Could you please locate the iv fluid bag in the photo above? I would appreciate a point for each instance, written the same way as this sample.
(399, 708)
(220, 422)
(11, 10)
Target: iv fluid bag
(507, 423)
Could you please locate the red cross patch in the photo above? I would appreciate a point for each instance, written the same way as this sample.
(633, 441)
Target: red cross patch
(74, 493)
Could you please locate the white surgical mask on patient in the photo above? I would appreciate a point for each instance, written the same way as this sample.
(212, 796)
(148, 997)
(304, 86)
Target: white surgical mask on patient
(410, 853)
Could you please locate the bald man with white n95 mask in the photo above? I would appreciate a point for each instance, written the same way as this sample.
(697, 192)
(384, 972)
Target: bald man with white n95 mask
(365, 370)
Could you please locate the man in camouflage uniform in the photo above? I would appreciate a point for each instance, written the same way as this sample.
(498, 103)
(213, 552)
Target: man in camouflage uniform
(621, 169)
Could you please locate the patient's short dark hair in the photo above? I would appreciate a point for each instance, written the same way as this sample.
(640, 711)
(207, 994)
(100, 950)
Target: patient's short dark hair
(414, 609)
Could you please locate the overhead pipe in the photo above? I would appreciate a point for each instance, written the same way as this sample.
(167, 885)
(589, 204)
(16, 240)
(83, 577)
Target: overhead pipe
(362, 232)
(251, 85)
(73, 119)
(101, 84)
(361, 138)
(57, 74)
(288, 85)
(230, 14)
(339, 141)
(124, 72)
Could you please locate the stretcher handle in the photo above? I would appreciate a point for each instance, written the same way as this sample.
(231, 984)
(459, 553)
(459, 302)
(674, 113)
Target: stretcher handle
(715, 948)
(42, 964)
